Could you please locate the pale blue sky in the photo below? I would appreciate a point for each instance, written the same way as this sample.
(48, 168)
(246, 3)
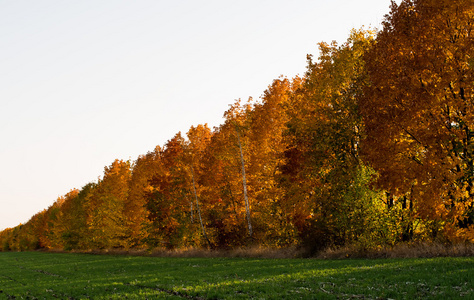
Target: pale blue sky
(85, 82)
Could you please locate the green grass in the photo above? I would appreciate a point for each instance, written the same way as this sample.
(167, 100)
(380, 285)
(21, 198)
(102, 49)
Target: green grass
(37, 275)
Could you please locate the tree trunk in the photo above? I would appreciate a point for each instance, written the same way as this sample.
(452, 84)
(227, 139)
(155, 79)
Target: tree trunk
(199, 209)
(244, 181)
(191, 210)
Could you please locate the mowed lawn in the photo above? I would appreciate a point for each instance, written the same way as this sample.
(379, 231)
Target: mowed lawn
(38, 275)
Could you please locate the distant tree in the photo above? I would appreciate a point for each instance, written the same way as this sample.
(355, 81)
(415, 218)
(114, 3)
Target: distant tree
(137, 216)
(70, 221)
(199, 137)
(106, 223)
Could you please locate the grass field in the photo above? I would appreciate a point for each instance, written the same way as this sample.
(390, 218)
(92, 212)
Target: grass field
(37, 275)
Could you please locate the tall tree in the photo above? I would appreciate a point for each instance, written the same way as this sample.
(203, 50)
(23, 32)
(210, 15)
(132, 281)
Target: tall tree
(326, 128)
(221, 183)
(136, 214)
(70, 221)
(199, 137)
(237, 118)
(167, 205)
(105, 206)
(418, 109)
(266, 157)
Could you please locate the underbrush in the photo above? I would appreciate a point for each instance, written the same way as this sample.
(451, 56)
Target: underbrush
(406, 250)
(250, 252)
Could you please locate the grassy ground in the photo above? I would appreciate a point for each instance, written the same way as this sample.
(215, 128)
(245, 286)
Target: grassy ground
(37, 275)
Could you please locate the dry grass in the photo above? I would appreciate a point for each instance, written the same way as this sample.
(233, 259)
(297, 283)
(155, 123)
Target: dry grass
(251, 252)
(413, 250)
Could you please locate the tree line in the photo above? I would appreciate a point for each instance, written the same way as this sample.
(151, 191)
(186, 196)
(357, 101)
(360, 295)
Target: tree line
(373, 146)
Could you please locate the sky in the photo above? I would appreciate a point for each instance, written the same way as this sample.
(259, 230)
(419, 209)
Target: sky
(85, 82)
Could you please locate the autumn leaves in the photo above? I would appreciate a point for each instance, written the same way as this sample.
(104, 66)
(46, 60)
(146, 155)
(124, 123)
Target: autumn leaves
(418, 110)
(374, 146)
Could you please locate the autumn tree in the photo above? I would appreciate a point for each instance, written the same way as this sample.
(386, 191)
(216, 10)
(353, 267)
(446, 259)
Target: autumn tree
(418, 110)
(199, 138)
(37, 230)
(76, 214)
(221, 188)
(53, 226)
(326, 130)
(136, 214)
(5, 239)
(105, 219)
(70, 221)
(266, 148)
(236, 119)
(170, 197)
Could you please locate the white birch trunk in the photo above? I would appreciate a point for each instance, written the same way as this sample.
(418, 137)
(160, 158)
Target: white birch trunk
(198, 208)
(244, 181)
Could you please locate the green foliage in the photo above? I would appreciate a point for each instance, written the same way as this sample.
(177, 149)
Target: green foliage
(79, 276)
(326, 129)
